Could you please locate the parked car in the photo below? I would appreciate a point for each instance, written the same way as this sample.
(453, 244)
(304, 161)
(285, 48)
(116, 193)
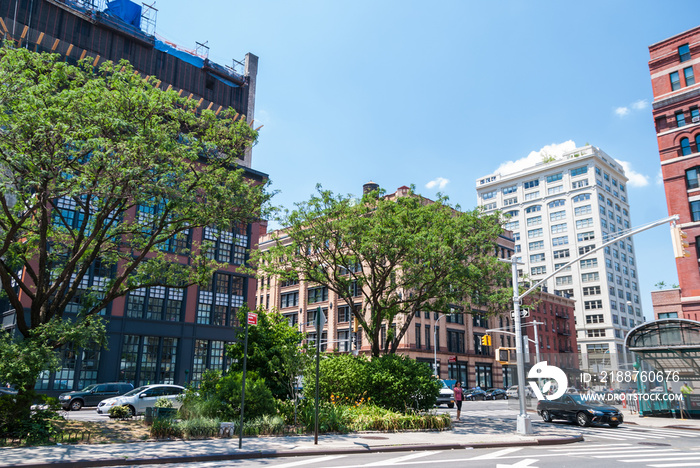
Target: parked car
(93, 394)
(4, 390)
(447, 396)
(495, 394)
(144, 397)
(474, 394)
(512, 392)
(575, 409)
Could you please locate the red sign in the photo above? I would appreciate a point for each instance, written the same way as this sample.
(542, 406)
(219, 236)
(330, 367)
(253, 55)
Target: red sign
(452, 359)
(252, 318)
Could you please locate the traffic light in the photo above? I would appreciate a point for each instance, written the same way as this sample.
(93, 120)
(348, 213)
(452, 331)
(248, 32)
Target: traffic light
(486, 340)
(680, 244)
(355, 324)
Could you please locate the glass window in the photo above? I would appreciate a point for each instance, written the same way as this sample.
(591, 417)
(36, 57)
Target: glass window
(695, 210)
(684, 52)
(563, 240)
(675, 81)
(554, 177)
(689, 76)
(680, 119)
(685, 147)
(578, 171)
(532, 209)
(531, 184)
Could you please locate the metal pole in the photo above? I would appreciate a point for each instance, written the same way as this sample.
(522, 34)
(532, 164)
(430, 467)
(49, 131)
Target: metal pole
(245, 361)
(524, 424)
(435, 346)
(318, 359)
(537, 342)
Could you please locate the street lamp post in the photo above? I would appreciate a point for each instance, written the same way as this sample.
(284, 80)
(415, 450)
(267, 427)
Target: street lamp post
(435, 345)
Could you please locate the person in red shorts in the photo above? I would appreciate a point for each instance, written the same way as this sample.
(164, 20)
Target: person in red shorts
(459, 396)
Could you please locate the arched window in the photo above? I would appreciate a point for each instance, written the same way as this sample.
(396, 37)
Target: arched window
(685, 146)
(556, 203)
(697, 142)
(532, 209)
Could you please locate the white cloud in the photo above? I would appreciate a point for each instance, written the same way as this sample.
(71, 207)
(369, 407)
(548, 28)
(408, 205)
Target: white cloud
(660, 178)
(640, 105)
(622, 111)
(440, 183)
(554, 150)
(635, 178)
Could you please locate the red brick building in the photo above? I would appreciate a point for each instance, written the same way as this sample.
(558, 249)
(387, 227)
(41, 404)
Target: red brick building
(673, 64)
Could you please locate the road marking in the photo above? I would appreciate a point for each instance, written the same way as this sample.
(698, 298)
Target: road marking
(638, 452)
(663, 459)
(497, 454)
(398, 460)
(310, 461)
(670, 465)
(521, 463)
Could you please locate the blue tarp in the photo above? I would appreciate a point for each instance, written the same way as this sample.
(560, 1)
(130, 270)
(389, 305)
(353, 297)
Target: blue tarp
(184, 56)
(128, 11)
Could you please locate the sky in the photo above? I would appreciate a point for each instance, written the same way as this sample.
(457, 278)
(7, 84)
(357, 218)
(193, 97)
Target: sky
(440, 93)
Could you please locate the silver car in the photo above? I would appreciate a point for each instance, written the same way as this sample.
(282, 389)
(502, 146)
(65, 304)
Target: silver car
(144, 397)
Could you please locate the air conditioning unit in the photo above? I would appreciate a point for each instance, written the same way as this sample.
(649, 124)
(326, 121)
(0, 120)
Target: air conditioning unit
(696, 118)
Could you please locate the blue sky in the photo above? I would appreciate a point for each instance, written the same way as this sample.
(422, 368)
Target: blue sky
(404, 92)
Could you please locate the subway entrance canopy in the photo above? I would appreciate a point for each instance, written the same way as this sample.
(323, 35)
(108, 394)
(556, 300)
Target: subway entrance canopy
(671, 347)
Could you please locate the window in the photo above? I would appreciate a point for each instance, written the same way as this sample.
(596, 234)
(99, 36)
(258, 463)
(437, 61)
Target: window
(537, 258)
(582, 210)
(598, 318)
(317, 294)
(510, 201)
(694, 116)
(689, 76)
(540, 270)
(564, 280)
(455, 341)
(533, 208)
(595, 333)
(589, 277)
(512, 226)
(555, 203)
(531, 184)
(554, 177)
(591, 290)
(675, 81)
(584, 223)
(585, 248)
(227, 246)
(532, 195)
(490, 206)
(691, 178)
(585, 236)
(345, 314)
(591, 305)
(563, 240)
(588, 263)
(553, 190)
(561, 253)
(534, 221)
(511, 189)
(219, 300)
(557, 215)
(488, 195)
(579, 183)
(604, 223)
(511, 213)
(579, 171)
(558, 228)
(582, 197)
(147, 359)
(534, 233)
(290, 299)
(680, 119)
(537, 245)
(684, 52)
(558, 266)
(695, 210)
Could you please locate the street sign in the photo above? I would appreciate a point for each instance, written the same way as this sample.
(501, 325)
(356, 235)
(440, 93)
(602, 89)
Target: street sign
(252, 318)
(452, 359)
(524, 313)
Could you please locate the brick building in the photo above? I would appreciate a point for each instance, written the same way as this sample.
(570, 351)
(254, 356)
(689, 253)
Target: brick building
(673, 63)
(157, 335)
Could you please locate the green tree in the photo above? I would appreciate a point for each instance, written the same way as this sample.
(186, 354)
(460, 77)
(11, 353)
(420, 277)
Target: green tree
(103, 170)
(275, 352)
(400, 255)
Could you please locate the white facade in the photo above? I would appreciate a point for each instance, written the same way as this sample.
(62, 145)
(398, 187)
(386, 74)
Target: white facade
(557, 211)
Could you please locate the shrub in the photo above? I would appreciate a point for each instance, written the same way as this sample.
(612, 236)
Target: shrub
(165, 428)
(199, 427)
(119, 412)
(163, 403)
(264, 425)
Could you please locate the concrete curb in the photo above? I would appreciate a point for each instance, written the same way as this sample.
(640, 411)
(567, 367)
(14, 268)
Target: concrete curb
(245, 455)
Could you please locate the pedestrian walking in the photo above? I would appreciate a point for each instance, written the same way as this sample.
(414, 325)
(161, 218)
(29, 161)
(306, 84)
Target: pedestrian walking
(459, 396)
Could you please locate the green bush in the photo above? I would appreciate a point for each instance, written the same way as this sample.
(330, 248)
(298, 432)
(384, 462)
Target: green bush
(264, 425)
(165, 428)
(392, 381)
(163, 403)
(32, 426)
(197, 428)
(119, 412)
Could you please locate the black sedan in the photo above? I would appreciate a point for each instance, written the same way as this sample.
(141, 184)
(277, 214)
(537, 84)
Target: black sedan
(474, 394)
(576, 409)
(495, 394)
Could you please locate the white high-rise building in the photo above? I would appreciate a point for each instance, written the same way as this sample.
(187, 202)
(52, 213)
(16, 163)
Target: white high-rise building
(559, 209)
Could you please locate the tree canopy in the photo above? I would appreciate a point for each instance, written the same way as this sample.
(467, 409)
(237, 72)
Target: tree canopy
(104, 175)
(396, 255)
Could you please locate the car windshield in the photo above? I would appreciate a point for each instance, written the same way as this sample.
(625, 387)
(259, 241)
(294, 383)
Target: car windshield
(444, 385)
(89, 387)
(135, 391)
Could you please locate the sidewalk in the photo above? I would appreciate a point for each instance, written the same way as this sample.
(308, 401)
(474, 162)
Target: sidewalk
(495, 433)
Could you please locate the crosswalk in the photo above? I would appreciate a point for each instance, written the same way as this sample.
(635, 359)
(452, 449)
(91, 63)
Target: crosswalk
(631, 433)
(655, 457)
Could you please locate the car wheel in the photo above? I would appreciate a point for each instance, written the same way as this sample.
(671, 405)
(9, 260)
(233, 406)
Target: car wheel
(615, 424)
(75, 405)
(582, 419)
(132, 411)
(546, 416)
(450, 405)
